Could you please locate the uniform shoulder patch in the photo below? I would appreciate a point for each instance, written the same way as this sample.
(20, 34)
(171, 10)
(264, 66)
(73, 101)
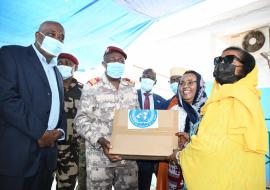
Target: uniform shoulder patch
(94, 81)
(129, 82)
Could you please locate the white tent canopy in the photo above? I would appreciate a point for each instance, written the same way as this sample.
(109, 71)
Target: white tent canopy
(193, 37)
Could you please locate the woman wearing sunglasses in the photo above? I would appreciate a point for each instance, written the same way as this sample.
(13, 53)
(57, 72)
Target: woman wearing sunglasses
(228, 151)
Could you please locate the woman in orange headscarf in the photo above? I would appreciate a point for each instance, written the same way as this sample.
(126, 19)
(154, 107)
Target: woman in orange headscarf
(228, 152)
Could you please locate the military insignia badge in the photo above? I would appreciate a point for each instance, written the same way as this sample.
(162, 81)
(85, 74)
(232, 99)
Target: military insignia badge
(94, 81)
(142, 119)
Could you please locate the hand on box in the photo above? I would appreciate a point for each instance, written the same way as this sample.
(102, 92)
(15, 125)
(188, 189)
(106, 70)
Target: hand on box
(183, 139)
(172, 157)
(106, 146)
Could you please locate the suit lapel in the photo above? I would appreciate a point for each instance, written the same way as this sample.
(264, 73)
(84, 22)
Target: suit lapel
(60, 85)
(140, 98)
(35, 62)
(156, 101)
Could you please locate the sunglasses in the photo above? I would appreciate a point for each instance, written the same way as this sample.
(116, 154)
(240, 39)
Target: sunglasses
(227, 59)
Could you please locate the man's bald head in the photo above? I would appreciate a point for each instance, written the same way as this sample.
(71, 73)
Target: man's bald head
(46, 24)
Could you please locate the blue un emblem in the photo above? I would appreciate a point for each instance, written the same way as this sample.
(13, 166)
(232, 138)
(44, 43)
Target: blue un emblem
(143, 118)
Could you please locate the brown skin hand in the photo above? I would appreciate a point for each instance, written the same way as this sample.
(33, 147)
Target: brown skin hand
(106, 146)
(49, 137)
(183, 139)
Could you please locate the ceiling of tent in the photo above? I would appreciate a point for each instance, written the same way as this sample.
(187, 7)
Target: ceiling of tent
(90, 25)
(155, 33)
(193, 37)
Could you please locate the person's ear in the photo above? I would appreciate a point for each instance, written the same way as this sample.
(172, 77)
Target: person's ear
(39, 37)
(104, 64)
(74, 67)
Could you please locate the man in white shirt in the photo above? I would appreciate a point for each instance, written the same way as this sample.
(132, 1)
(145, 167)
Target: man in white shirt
(147, 100)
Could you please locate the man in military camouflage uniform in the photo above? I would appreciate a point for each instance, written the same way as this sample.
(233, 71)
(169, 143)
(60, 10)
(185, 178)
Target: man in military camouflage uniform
(68, 151)
(100, 97)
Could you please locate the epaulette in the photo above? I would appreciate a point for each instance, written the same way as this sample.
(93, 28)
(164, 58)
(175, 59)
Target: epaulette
(80, 85)
(76, 83)
(128, 81)
(94, 81)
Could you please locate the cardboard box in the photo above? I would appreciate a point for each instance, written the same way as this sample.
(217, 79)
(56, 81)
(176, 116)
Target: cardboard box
(144, 134)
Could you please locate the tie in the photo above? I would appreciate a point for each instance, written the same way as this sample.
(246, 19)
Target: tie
(146, 105)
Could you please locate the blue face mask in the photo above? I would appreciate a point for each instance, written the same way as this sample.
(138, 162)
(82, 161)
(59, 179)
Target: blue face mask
(51, 45)
(115, 69)
(65, 71)
(147, 84)
(174, 87)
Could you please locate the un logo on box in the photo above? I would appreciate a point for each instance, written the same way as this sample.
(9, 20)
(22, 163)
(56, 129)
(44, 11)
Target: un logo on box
(141, 119)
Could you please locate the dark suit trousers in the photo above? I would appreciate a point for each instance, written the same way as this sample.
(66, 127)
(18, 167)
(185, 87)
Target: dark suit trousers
(42, 180)
(146, 170)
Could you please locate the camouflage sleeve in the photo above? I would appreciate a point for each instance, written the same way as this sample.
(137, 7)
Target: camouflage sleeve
(85, 120)
(137, 106)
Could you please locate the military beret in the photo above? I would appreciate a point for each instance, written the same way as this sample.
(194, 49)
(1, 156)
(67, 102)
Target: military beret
(70, 57)
(111, 49)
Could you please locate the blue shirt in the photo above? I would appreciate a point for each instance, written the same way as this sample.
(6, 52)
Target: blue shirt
(55, 106)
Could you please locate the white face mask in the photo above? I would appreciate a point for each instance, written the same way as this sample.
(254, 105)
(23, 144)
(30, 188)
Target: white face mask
(174, 87)
(65, 71)
(51, 45)
(147, 84)
(115, 69)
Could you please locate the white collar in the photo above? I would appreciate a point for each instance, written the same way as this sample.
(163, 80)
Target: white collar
(42, 58)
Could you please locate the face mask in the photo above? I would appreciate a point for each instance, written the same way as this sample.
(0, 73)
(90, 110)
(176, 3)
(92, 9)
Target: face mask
(65, 71)
(51, 45)
(174, 87)
(147, 84)
(115, 70)
(224, 73)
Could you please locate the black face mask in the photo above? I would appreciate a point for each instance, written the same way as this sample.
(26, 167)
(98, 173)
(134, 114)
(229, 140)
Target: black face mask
(224, 73)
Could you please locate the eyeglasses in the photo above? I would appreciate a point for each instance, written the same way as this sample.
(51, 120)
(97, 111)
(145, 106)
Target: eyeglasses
(188, 83)
(227, 59)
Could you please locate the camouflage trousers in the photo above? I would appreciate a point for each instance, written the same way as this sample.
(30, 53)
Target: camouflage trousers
(67, 166)
(82, 166)
(121, 178)
(71, 166)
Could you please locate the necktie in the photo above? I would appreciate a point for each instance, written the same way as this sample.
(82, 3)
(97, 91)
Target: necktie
(146, 105)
